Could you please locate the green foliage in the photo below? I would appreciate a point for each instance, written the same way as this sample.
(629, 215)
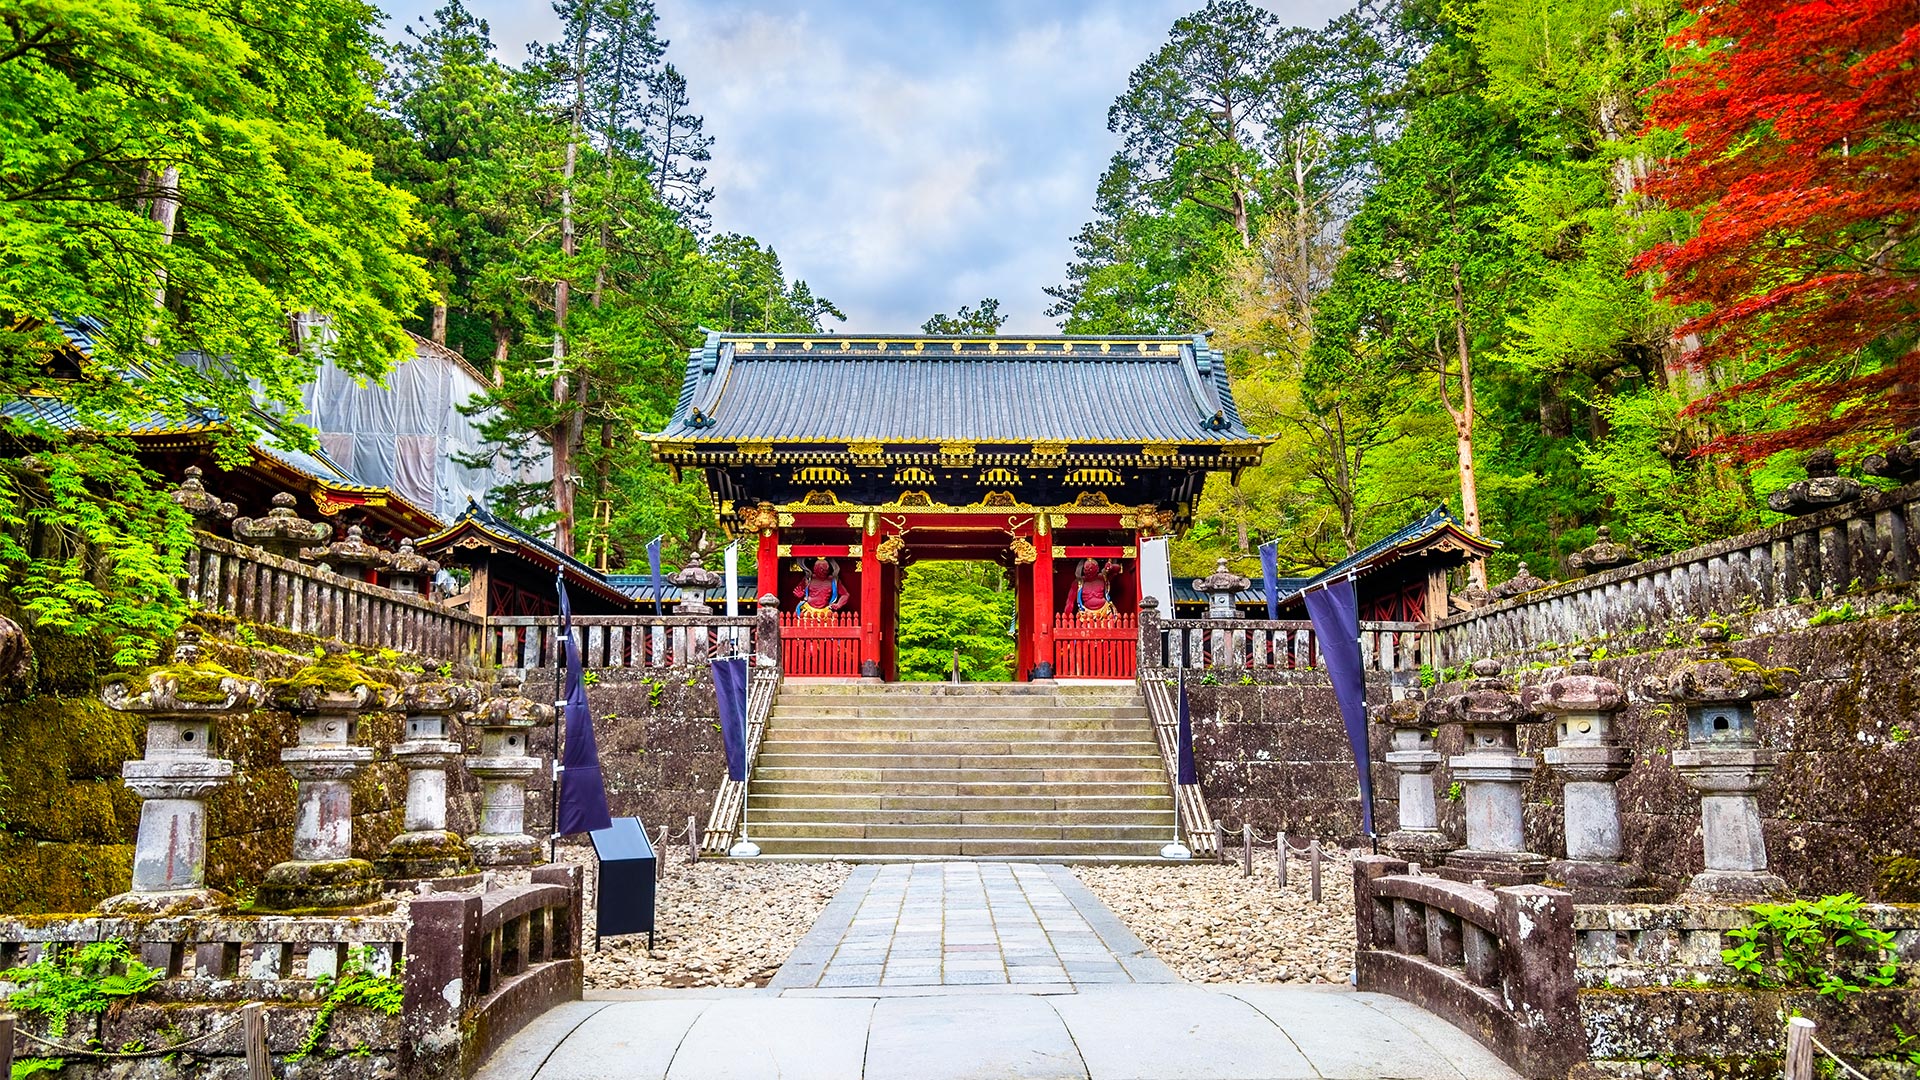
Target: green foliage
(1839, 613)
(955, 605)
(656, 689)
(985, 319)
(33, 1066)
(85, 980)
(1823, 944)
(1455, 792)
(356, 985)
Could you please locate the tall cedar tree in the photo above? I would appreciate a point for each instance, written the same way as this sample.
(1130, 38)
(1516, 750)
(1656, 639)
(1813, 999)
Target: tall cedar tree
(1803, 164)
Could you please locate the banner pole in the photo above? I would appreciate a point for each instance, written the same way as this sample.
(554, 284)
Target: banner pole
(1177, 851)
(559, 728)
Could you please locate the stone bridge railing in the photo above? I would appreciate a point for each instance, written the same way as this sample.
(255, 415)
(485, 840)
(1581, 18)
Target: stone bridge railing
(630, 641)
(1871, 543)
(1260, 645)
(473, 967)
(1497, 963)
(232, 579)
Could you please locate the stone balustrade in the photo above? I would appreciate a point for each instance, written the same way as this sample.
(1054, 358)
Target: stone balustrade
(1630, 946)
(1870, 543)
(627, 641)
(253, 585)
(1263, 645)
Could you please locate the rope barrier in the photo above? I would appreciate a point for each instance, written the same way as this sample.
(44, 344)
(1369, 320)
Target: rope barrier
(1851, 1071)
(79, 1052)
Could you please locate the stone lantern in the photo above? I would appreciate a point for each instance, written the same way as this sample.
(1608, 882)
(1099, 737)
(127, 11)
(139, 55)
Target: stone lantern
(694, 580)
(1900, 463)
(1726, 764)
(352, 557)
(1602, 554)
(1582, 704)
(208, 510)
(505, 720)
(427, 849)
(180, 702)
(327, 698)
(1418, 839)
(1823, 487)
(1522, 582)
(281, 532)
(405, 568)
(1220, 588)
(1494, 774)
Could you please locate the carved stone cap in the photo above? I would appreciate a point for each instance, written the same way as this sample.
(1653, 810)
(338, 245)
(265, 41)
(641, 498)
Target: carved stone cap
(1581, 690)
(281, 524)
(1823, 487)
(193, 497)
(332, 684)
(1602, 554)
(435, 697)
(1222, 580)
(409, 561)
(1901, 462)
(188, 686)
(1489, 699)
(1408, 711)
(1523, 581)
(1725, 680)
(509, 708)
(353, 551)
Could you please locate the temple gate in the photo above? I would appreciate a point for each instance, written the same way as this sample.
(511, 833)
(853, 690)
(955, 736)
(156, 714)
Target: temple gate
(847, 458)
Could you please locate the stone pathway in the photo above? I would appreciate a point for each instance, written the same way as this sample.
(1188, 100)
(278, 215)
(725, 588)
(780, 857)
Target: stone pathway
(969, 971)
(967, 924)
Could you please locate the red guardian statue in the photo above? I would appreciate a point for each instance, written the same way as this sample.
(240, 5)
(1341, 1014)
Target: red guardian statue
(820, 594)
(1092, 595)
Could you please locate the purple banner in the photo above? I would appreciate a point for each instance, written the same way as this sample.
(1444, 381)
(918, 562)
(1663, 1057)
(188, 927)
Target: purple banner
(583, 793)
(1335, 612)
(1270, 576)
(730, 687)
(1187, 773)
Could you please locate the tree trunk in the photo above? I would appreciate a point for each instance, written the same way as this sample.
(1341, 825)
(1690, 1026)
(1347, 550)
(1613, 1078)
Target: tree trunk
(502, 337)
(165, 210)
(1463, 424)
(439, 333)
(565, 424)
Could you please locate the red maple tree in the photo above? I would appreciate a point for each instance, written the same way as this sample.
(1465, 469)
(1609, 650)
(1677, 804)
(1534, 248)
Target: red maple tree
(1802, 162)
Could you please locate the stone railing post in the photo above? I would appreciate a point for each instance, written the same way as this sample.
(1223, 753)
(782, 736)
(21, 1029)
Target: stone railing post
(281, 532)
(503, 767)
(428, 849)
(441, 977)
(1494, 774)
(1418, 839)
(180, 702)
(766, 631)
(1581, 704)
(1151, 648)
(328, 698)
(1535, 929)
(1726, 764)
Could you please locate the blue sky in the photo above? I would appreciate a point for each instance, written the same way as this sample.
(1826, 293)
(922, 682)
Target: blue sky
(902, 158)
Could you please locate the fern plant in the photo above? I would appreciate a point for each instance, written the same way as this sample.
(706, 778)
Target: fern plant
(357, 984)
(83, 981)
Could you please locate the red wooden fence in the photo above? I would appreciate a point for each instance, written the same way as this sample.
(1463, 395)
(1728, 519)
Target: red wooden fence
(1095, 647)
(816, 646)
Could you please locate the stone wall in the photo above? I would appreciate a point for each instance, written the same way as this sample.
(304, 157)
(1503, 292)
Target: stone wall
(658, 732)
(1838, 811)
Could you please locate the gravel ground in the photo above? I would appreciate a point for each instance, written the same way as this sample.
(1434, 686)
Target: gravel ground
(1210, 925)
(719, 923)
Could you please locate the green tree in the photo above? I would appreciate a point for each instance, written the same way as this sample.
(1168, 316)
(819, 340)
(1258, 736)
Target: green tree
(174, 172)
(948, 606)
(984, 320)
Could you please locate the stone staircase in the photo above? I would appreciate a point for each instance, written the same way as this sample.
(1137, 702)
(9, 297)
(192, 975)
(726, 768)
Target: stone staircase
(1004, 770)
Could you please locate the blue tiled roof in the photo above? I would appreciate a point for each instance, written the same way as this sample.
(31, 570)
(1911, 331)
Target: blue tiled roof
(829, 388)
(640, 587)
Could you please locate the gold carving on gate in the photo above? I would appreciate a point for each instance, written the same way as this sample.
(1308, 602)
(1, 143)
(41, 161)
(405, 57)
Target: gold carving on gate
(784, 550)
(1150, 520)
(865, 449)
(1090, 475)
(753, 449)
(914, 474)
(820, 498)
(1128, 552)
(820, 474)
(957, 449)
(999, 475)
(1092, 499)
(999, 498)
(854, 521)
(761, 519)
(786, 520)
(1165, 450)
(1023, 550)
(329, 507)
(915, 498)
(1049, 449)
(890, 549)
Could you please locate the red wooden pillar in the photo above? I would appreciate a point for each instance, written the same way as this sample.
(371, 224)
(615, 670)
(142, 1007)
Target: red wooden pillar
(767, 564)
(870, 613)
(1023, 619)
(1043, 595)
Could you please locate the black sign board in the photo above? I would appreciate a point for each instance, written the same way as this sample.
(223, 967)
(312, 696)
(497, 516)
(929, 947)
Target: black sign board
(625, 904)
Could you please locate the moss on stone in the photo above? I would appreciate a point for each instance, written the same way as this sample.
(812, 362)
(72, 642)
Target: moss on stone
(1897, 878)
(335, 673)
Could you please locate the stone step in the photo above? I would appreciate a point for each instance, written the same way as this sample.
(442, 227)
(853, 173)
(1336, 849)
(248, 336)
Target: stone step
(784, 743)
(816, 785)
(957, 711)
(1036, 830)
(970, 722)
(1059, 773)
(759, 814)
(983, 848)
(1118, 688)
(825, 802)
(926, 736)
(781, 757)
